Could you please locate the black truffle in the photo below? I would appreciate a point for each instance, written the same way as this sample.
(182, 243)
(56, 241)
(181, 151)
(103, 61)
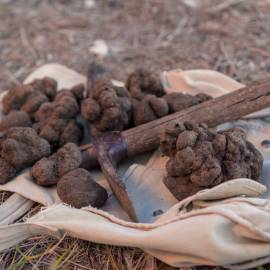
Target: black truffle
(48, 171)
(180, 101)
(29, 97)
(15, 119)
(108, 108)
(56, 121)
(78, 189)
(20, 148)
(201, 158)
(149, 109)
(143, 82)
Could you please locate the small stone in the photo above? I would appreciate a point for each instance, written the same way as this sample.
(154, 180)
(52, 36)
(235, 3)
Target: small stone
(99, 48)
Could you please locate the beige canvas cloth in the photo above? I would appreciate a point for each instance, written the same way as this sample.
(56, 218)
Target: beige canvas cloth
(227, 225)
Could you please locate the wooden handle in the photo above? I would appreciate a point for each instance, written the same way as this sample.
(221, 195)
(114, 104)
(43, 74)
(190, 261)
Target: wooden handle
(216, 111)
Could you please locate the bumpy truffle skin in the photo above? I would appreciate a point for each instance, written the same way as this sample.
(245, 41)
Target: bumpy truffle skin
(48, 171)
(15, 119)
(29, 97)
(201, 158)
(44, 112)
(180, 101)
(149, 109)
(143, 82)
(51, 129)
(16, 97)
(65, 105)
(78, 189)
(7, 171)
(20, 148)
(33, 103)
(71, 133)
(78, 91)
(46, 85)
(108, 108)
(56, 120)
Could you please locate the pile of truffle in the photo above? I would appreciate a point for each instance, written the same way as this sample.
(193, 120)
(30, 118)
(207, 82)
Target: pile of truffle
(143, 99)
(40, 129)
(51, 114)
(75, 185)
(20, 148)
(56, 121)
(201, 158)
(38, 121)
(21, 102)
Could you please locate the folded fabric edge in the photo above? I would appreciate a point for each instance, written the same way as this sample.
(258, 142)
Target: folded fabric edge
(13, 208)
(13, 234)
(248, 264)
(242, 188)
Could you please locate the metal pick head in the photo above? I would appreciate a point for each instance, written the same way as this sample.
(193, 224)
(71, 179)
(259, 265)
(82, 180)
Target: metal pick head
(110, 148)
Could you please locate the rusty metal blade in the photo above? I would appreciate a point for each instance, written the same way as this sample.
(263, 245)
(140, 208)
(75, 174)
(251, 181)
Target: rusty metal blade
(109, 149)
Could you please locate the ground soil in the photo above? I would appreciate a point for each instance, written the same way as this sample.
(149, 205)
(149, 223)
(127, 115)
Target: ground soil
(231, 36)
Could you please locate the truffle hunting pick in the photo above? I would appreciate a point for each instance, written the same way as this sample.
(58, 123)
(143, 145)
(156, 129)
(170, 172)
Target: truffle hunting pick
(145, 137)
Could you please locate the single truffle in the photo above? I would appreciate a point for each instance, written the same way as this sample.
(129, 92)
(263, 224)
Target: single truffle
(78, 189)
(143, 82)
(108, 108)
(201, 158)
(48, 171)
(20, 148)
(65, 105)
(15, 119)
(149, 109)
(180, 101)
(29, 97)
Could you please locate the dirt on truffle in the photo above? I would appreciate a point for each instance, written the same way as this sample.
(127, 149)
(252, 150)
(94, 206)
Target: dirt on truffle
(48, 171)
(20, 148)
(150, 101)
(180, 101)
(144, 82)
(112, 108)
(62, 31)
(200, 158)
(108, 107)
(149, 109)
(29, 97)
(56, 121)
(78, 189)
(15, 118)
(52, 115)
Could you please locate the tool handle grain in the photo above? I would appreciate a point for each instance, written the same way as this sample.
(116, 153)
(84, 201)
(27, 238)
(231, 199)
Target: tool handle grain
(232, 106)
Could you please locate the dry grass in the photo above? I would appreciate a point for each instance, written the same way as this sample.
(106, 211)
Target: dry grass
(232, 37)
(69, 253)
